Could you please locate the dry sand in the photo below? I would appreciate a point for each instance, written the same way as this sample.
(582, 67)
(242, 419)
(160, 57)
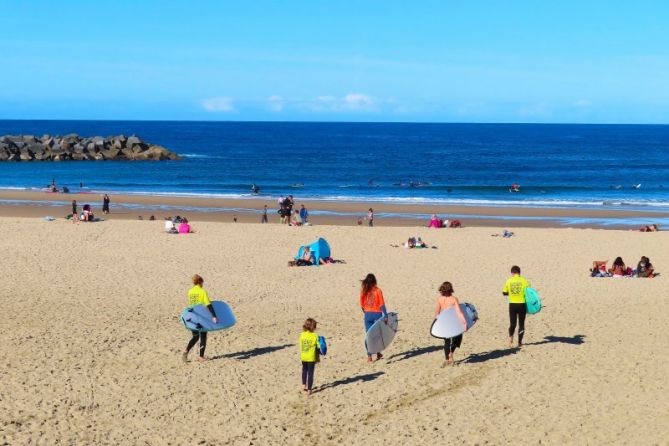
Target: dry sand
(91, 343)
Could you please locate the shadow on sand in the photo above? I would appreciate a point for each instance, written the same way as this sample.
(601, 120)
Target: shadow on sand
(414, 352)
(496, 354)
(353, 379)
(254, 352)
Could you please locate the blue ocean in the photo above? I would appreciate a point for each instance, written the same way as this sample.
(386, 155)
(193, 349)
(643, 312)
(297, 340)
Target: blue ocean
(614, 166)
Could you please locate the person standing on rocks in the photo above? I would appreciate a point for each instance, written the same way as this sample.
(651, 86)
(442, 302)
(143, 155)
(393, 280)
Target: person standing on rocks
(105, 204)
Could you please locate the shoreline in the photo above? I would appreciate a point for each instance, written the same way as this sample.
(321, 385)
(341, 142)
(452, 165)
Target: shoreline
(19, 203)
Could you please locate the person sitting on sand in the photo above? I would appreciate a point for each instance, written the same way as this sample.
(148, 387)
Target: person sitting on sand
(599, 268)
(169, 225)
(649, 228)
(296, 220)
(184, 227)
(199, 296)
(420, 243)
(307, 258)
(445, 301)
(411, 243)
(618, 269)
(373, 306)
(454, 224)
(434, 222)
(644, 268)
(87, 213)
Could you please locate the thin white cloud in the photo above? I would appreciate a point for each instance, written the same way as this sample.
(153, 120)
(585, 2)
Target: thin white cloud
(219, 105)
(351, 102)
(358, 101)
(582, 103)
(275, 103)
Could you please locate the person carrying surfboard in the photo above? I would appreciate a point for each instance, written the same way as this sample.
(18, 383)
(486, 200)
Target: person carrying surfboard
(309, 351)
(373, 306)
(514, 288)
(445, 301)
(199, 296)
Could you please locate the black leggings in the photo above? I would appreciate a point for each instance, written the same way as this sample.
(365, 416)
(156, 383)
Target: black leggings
(451, 344)
(308, 369)
(203, 342)
(517, 311)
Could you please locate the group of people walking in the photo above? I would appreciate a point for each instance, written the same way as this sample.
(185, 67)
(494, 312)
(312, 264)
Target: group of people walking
(373, 306)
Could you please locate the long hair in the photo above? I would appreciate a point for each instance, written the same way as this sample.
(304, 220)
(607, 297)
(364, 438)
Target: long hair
(446, 289)
(368, 283)
(618, 262)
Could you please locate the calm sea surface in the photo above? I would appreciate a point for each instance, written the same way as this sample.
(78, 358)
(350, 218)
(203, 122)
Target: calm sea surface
(555, 165)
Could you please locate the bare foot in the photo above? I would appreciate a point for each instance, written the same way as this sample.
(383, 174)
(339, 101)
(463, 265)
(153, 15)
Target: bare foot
(184, 357)
(202, 359)
(310, 392)
(444, 364)
(511, 342)
(369, 359)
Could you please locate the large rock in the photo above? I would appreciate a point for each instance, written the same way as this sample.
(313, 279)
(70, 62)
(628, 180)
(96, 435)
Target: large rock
(72, 146)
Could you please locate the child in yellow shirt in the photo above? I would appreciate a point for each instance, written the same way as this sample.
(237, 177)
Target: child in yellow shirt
(309, 351)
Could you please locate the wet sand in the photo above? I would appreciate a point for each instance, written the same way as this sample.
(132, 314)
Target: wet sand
(37, 204)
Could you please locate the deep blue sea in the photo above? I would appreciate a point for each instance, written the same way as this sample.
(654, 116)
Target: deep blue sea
(555, 165)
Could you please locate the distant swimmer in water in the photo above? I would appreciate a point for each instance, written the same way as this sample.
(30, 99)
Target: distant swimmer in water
(515, 187)
(297, 185)
(636, 186)
(255, 189)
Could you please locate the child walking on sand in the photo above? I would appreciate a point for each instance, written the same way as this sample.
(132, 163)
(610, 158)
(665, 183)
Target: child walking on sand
(309, 351)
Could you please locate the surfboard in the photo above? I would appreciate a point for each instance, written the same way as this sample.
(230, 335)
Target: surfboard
(198, 318)
(448, 324)
(532, 301)
(381, 334)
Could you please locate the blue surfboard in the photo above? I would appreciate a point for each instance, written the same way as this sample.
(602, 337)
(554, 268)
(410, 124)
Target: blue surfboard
(198, 317)
(532, 301)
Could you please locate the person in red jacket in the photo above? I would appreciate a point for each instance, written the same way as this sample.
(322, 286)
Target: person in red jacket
(373, 306)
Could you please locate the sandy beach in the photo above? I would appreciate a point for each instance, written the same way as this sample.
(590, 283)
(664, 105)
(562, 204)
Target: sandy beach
(91, 340)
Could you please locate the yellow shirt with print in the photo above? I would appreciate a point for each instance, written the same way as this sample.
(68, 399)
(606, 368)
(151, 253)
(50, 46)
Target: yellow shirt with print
(515, 288)
(198, 296)
(308, 346)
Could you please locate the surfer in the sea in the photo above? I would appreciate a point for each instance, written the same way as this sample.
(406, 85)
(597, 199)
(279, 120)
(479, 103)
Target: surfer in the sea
(445, 301)
(199, 296)
(373, 306)
(515, 187)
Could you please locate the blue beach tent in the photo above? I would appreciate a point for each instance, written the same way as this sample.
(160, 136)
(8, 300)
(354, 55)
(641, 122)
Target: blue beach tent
(320, 250)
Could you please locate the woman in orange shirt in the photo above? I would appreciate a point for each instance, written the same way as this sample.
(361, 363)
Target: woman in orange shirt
(372, 305)
(445, 301)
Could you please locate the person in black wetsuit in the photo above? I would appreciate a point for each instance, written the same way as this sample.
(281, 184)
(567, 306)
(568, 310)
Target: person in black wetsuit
(199, 296)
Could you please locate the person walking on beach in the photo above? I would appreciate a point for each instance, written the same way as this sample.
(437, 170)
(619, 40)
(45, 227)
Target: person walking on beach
(105, 204)
(370, 217)
(309, 351)
(445, 301)
(264, 215)
(514, 288)
(373, 306)
(74, 208)
(304, 215)
(199, 296)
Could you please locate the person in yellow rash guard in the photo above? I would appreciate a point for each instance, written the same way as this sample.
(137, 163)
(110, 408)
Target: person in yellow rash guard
(308, 353)
(198, 296)
(514, 288)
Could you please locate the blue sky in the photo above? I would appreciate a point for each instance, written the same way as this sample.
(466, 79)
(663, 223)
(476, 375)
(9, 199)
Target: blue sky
(437, 61)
